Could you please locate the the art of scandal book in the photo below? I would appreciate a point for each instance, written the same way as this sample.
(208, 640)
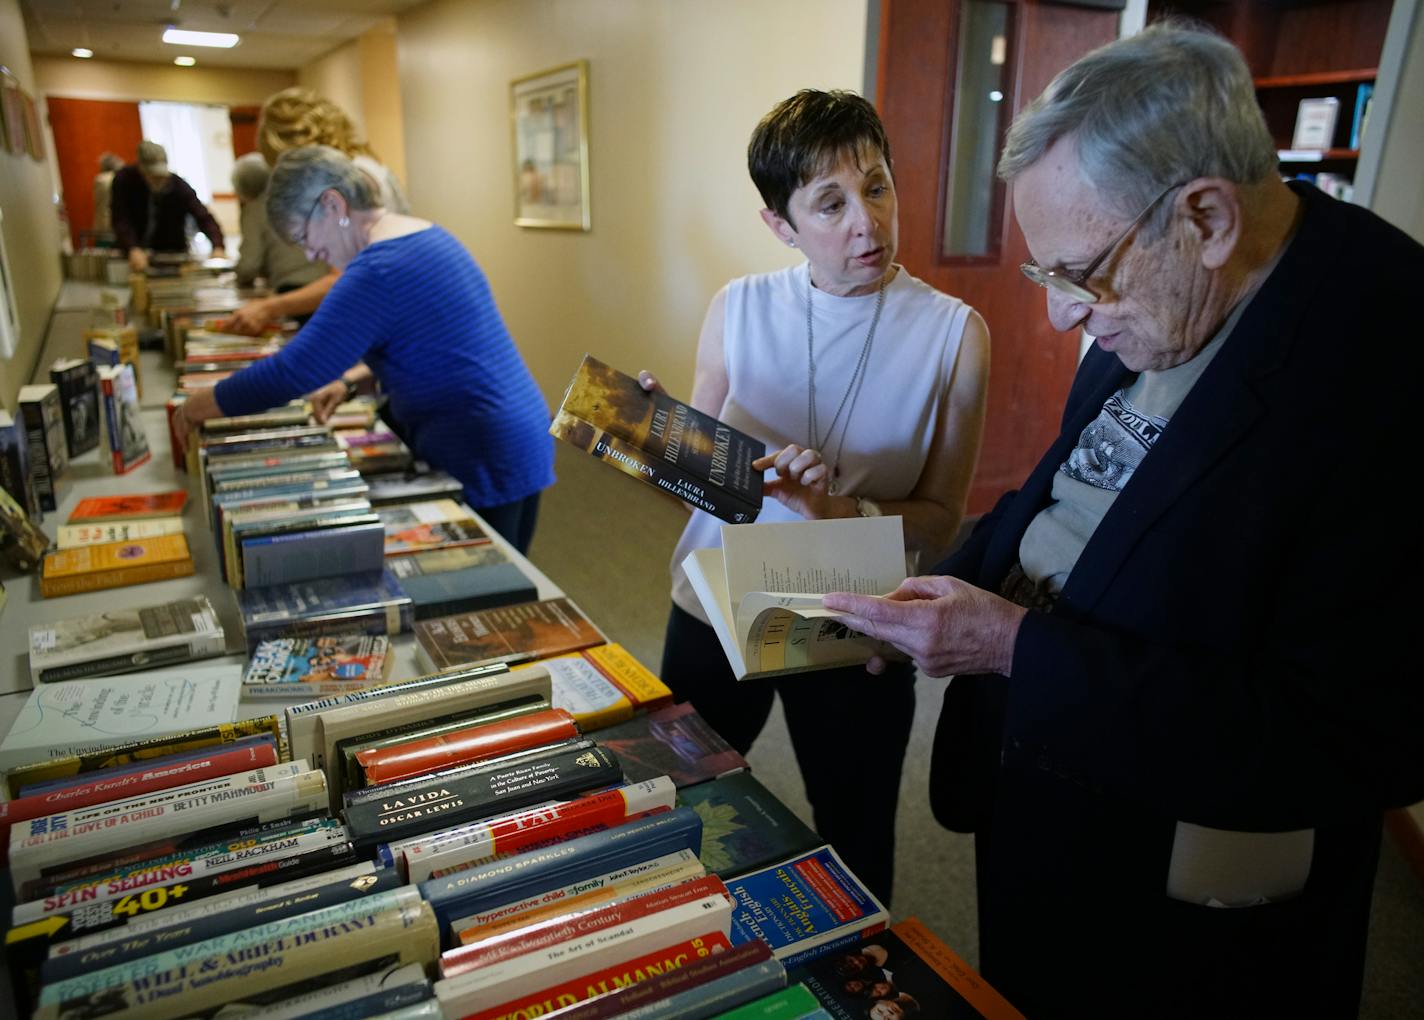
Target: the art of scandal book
(762, 590)
(313, 667)
(907, 966)
(529, 630)
(661, 442)
(124, 639)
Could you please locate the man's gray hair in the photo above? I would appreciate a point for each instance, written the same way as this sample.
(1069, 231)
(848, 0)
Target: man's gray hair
(1170, 104)
(249, 176)
(303, 174)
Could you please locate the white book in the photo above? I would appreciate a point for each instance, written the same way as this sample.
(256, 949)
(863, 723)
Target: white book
(515, 977)
(79, 716)
(669, 869)
(258, 803)
(125, 639)
(762, 590)
(1315, 123)
(68, 536)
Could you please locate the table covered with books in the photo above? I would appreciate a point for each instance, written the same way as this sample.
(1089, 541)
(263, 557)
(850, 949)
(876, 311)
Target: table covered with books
(289, 729)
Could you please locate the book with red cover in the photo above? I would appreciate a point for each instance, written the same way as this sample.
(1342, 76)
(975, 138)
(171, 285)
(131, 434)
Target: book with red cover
(465, 746)
(575, 925)
(127, 508)
(517, 633)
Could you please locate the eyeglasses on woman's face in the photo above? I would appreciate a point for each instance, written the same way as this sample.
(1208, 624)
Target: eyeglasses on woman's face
(1074, 282)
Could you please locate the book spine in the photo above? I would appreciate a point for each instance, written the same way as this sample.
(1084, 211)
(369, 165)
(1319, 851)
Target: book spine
(422, 757)
(126, 769)
(248, 805)
(368, 909)
(658, 873)
(341, 995)
(198, 647)
(377, 1003)
(701, 988)
(465, 798)
(53, 587)
(524, 875)
(140, 750)
(599, 982)
(630, 676)
(41, 467)
(224, 763)
(576, 926)
(659, 472)
(217, 922)
(408, 935)
(445, 852)
(369, 794)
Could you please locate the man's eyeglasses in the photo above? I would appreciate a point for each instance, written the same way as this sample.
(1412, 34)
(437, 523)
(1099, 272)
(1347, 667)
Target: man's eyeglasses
(301, 240)
(1074, 282)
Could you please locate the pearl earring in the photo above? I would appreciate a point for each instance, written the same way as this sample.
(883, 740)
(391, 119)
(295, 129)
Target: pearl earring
(344, 222)
(791, 244)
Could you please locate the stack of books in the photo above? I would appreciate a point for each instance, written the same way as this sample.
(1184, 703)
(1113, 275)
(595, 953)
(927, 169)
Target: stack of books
(375, 449)
(116, 541)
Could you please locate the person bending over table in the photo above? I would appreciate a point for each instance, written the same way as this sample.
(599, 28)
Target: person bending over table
(1178, 707)
(867, 386)
(413, 310)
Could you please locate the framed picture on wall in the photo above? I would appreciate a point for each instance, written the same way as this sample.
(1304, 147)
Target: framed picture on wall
(33, 137)
(549, 117)
(14, 117)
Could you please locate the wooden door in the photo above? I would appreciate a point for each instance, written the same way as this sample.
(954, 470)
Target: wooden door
(85, 129)
(1032, 364)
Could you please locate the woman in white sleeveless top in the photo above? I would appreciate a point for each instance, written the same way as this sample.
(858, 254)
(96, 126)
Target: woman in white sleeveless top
(868, 388)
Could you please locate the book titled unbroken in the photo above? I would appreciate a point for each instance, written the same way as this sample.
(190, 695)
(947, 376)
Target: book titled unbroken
(661, 442)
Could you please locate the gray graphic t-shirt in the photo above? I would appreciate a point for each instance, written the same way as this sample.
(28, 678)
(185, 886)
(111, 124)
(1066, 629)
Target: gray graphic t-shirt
(1100, 466)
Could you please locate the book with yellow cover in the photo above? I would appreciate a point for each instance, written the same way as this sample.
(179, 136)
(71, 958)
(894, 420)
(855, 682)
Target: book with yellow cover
(114, 565)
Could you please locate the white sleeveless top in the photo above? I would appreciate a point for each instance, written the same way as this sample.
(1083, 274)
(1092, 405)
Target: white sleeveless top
(895, 418)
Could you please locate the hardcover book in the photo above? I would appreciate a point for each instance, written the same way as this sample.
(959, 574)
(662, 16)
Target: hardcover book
(353, 604)
(70, 535)
(661, 442)
(762, 590)
(125, 639)
(310, 555)
(82, 716)
(460, 579)
(744, 826)
(132, 507)
(603, 685)
(78, 384)
(44, 427)
(906, 966)
(314, 667)
(94, 567)
(123, 419)
(473, 743)
(673, 741)
(529, 630)
(412, 486)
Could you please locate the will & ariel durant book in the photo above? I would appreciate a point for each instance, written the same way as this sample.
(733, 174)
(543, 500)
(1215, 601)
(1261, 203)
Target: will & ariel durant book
(662, 442)
(762, 590)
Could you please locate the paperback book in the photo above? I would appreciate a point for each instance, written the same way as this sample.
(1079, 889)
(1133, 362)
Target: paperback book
(78, 384)
(762, 590)
(673, 741)
(44, 428)
(461, 579)
(116, 565)
(744, 826)
(315, 667)
(67, 536)
(123, 640)
(662, 442)
(518, 633)
(131, 507)
(123, 419)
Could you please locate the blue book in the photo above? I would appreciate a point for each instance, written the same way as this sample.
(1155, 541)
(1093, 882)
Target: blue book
(462, 591)
(804, 907)
(715, 997)
(1362, 104)
(536, 871)
(366, 604)
(308, 555)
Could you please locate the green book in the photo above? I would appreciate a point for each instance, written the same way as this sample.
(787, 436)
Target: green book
(794, 1002)
(744, 826)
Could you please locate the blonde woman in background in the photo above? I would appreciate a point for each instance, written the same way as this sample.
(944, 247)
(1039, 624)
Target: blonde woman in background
(290, 119)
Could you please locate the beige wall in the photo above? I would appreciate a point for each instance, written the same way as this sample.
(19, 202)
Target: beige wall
(31, 228)
(362, 78)
(674, 213)
(1398, 193)
(117, 79)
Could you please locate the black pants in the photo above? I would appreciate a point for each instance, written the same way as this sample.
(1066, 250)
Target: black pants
(849, 731)
(515, 521)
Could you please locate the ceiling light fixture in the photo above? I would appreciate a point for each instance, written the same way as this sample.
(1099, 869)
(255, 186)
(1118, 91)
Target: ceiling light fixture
(185, 61)
(182, 37)
(82, 52)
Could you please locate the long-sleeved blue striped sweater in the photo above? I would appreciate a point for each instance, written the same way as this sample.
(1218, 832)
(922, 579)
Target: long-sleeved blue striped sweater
(419, 312)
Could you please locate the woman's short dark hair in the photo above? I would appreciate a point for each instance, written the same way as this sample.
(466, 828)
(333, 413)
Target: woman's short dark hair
(803, 136)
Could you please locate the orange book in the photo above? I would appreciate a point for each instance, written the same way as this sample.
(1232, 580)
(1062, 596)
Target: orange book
(460, 747)
(115, 564)
(129, 508)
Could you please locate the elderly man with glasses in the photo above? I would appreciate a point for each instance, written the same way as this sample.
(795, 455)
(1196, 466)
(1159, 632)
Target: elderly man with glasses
(1177, 713)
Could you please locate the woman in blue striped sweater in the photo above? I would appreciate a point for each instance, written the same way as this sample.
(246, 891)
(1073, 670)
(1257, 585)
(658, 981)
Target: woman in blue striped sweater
(413, 310)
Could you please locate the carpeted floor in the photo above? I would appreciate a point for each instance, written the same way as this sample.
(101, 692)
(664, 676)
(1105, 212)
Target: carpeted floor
(607, 540)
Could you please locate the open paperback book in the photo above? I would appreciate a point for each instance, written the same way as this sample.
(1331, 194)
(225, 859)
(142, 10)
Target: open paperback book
(762, 590)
